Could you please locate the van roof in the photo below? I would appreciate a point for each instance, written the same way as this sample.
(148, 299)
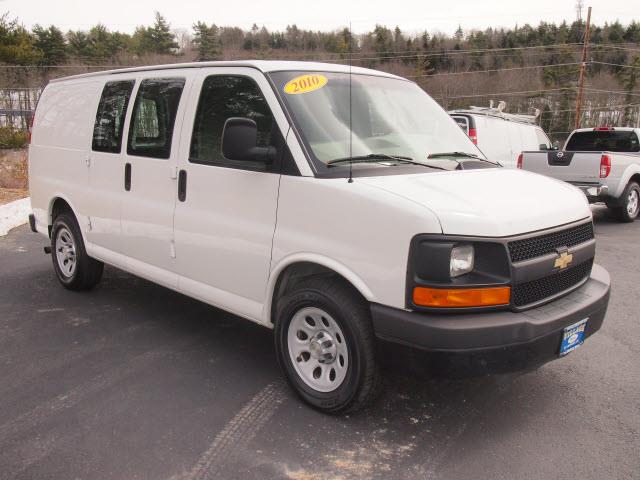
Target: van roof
(262, 65)
(523, 119)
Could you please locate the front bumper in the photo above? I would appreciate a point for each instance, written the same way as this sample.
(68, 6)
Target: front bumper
(498, 341)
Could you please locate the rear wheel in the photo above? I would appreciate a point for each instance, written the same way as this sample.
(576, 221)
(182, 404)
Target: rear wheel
(629, 207)
(74, 268)
(325, 345)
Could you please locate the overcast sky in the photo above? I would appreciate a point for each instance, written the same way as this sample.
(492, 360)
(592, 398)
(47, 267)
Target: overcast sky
(410, 15)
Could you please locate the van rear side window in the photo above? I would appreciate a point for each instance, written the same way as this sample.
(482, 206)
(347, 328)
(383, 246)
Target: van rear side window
(107, 131)
(154, 116)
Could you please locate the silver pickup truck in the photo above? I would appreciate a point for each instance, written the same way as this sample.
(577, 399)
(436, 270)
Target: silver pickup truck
(604, 162)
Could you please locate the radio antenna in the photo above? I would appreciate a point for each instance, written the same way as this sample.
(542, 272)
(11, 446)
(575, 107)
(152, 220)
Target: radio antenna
(350, 109)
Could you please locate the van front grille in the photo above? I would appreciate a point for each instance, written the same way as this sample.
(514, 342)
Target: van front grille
(527, 248)
(531, 292)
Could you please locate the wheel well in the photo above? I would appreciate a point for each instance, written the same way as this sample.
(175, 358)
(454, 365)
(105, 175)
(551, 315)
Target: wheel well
(635, 178)
(59, 206)
(293, 274)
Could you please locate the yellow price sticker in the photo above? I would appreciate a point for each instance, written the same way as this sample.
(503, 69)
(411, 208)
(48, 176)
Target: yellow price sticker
(305, 84)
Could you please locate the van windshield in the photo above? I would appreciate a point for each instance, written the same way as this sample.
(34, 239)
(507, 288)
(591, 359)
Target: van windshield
(391, 117)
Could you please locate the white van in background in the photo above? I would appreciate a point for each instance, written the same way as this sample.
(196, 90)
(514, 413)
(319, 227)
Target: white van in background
(501, 136)
(331, 204)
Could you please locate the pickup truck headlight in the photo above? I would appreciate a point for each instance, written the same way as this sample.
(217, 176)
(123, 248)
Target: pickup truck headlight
(462, 260)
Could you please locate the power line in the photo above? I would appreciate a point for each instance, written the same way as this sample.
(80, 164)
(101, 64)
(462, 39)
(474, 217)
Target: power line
(385, 55)
(493, 70)
(614, 47)
(619, 92)
(532, 92)
(431, 55)
(616, 65)
(498, 94)
(586, 110)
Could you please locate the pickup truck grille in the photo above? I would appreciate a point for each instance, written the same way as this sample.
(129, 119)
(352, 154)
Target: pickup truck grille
(548, 243)
(531, 292)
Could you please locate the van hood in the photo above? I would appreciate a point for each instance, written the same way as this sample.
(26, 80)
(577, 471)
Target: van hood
(489, 202)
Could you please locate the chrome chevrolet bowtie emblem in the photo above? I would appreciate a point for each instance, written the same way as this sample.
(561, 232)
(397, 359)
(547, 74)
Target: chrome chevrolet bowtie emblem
(563, 260)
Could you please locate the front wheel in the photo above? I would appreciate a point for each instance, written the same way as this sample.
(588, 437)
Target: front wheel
(325, 345)
(629, 207)
(74, 268)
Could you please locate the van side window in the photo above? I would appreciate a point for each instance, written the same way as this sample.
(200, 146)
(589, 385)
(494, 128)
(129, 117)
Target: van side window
(223, 97)
(154, 116)
(107, 131)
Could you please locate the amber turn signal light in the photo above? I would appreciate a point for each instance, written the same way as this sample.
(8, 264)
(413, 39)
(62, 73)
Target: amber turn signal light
(461, 297)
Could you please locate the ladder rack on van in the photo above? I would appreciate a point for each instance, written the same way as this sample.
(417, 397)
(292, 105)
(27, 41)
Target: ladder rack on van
(497, 112)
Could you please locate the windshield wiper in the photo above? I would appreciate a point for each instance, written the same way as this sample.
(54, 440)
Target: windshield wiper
(453, 154)
(380, 158)
(437, 167)
(462, 154)
(371, 158)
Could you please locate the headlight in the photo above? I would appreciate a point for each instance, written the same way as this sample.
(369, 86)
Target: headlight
(462, 257)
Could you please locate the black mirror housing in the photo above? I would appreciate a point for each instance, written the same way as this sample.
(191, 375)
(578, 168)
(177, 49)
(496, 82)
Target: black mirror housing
(240, 140)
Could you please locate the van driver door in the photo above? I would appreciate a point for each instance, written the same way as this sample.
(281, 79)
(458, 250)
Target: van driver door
(226, 210)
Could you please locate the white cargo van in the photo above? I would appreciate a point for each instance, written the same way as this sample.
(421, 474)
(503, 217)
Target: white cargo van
(333, 206)
(501, 136)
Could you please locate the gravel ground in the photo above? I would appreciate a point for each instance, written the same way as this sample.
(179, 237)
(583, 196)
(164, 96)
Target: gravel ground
(10, 194)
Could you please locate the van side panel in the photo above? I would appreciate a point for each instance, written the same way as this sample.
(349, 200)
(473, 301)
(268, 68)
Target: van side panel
(61, 139)
(357, 230)
(529, 140)
(492, 138)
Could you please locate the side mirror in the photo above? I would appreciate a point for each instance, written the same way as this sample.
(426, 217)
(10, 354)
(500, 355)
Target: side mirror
(240, 139)
(543, 146)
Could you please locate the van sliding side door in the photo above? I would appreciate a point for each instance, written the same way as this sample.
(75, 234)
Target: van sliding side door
(149, 173)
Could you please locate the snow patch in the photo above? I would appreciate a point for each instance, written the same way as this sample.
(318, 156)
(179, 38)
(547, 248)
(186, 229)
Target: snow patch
(14, 214)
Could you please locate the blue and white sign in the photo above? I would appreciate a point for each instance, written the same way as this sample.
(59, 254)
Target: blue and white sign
(573, 337)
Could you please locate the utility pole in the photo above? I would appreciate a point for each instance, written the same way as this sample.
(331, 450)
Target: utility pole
(583, 66)
(579, 5)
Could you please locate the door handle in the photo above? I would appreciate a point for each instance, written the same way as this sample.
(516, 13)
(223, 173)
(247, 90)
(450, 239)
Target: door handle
(182, 185)
(127, 177)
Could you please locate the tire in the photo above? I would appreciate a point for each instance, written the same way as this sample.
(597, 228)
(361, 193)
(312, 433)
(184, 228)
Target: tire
(342, 341)
(74, 268)
(629, 206)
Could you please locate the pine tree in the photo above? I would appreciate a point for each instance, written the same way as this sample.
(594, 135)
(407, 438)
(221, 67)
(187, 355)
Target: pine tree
(628, 79)
(206, 39)
(157, 39)
(16, 43)
(163, 39)
(50, 41)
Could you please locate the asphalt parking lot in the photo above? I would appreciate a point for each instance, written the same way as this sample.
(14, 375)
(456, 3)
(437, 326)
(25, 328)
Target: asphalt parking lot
(133, 381)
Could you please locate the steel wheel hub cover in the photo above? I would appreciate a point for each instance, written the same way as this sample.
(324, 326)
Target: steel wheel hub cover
(632, 205)
(65, 252)
(317, 349)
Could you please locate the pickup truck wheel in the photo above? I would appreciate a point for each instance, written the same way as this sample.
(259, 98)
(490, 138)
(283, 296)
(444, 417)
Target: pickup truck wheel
(74, 268)
(630, 203)
(326, 347)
